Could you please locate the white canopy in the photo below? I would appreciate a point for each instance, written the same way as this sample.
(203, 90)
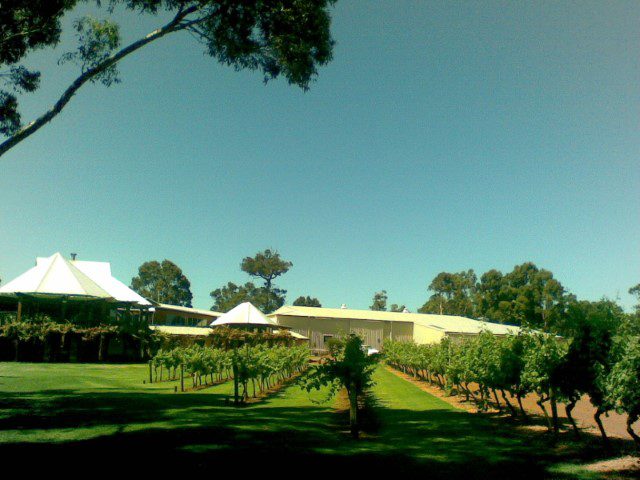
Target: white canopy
(244, 314)
(55, 276)
(100, 272)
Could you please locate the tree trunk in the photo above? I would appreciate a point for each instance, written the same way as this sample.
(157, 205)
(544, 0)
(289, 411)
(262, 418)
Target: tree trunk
(522, 410)
(101, 348)
(353, 411)
(540, 403)
(495, 394)
(596, 417)
(236, 398)
(513, 411)
(554, 411)
(569, 408)
(630, 421)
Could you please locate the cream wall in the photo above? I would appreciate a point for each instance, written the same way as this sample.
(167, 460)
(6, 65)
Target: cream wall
(423, 335)
(374, 332)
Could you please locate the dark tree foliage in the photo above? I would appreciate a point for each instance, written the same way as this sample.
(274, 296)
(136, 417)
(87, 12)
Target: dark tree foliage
(591, 328)
(307, 302)
(527, 296)
(163, 282)
(453, 294)
(231, 295)
(25, 25)
(635, 291)
(267, 265)
(288, 38)
(379, 301)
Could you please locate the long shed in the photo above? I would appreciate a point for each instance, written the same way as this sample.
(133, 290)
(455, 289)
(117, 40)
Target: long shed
(321, 324)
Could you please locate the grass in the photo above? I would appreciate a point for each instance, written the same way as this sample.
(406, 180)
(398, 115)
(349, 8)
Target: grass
(103, 417)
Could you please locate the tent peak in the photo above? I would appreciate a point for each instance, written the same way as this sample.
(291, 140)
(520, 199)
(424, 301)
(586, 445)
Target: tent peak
(244, 314)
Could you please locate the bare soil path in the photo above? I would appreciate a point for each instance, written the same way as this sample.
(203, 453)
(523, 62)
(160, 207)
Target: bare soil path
(614, 423)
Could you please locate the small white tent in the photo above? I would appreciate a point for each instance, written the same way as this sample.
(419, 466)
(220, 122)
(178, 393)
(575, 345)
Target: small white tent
(244, 314)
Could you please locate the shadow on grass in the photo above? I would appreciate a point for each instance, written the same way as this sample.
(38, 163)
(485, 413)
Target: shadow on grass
(157, 433)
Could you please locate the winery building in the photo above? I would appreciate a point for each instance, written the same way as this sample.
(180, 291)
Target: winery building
(321, 324)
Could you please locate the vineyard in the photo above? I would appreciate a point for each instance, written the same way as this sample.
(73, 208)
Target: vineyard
(254, 368)
(500, 372)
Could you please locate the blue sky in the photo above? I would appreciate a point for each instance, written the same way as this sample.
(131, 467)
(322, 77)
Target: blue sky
(443, 136)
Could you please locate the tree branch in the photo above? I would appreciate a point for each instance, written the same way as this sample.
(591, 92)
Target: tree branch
(173, 26)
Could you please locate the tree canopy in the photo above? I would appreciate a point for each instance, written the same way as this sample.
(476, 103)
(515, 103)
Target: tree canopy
(453, 294)
(379, 301)
(227, 297)
(307, 302)
(268, 265)
(288, 38)
(163, 282)
(527, 295)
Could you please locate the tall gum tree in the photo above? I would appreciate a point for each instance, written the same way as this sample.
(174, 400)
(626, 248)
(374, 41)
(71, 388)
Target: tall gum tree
(288, 38)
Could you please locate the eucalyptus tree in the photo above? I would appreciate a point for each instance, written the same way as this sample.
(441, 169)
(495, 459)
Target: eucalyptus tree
(25, 26)
(307, 302)
(268, 265)
(163, 282)
(379, 302)
(453, 294)
(278, 38)
(635, 291)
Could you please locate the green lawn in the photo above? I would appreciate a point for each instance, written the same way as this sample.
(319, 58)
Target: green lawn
(104, 416)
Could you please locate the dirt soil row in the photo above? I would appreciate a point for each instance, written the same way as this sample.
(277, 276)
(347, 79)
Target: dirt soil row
(615, 424)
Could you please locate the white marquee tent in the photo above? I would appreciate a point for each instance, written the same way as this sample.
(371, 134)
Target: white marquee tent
(55, 277)
(245, 314)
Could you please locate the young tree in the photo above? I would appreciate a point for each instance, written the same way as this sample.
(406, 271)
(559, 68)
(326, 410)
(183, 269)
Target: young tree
(268, 266)
(163, 282)
(279, 37)
(623, 382)
(542, 355)
(350, 368)
(379, 301)
(307, 302)
(589, 327)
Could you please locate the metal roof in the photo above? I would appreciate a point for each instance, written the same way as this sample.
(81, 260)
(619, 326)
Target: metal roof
(446, 323)
(179, 308)
(175, 330)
